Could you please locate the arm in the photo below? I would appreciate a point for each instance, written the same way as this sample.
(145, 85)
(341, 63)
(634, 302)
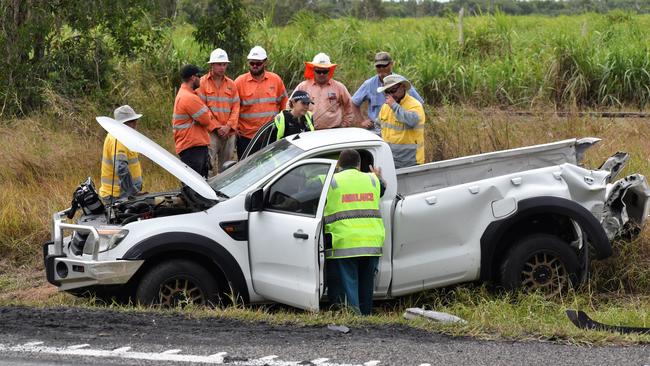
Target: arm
(357, 99)
(282, 96)
(410, 117)
(127, 188)
(233, 119)
(201, 114)
(348, 112)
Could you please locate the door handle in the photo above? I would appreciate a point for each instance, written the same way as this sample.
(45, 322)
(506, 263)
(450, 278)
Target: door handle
(299, 235)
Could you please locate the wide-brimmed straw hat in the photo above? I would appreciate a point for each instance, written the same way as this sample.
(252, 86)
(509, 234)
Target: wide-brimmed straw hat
(392, 80)
(125, 114)
(321, 61)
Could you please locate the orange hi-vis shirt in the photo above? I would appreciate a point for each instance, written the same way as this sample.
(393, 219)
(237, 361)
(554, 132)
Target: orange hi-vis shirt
(260, 101)
(223, 100)
(192, 122)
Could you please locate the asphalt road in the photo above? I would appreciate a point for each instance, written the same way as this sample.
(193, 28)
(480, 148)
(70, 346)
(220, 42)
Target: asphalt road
(31, 336)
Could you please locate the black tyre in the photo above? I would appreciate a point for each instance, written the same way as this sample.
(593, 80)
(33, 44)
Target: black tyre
(177, 283)
(540, 262)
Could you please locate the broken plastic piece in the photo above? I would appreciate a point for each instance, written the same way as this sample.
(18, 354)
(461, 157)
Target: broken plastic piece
(338, 328)
(414, 313)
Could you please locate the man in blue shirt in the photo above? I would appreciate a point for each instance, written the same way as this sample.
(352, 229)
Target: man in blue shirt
(368, 91)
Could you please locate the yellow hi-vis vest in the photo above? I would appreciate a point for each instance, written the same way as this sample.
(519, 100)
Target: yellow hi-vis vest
(352, 215)
(113, 150)
(280, 126)
(406, 142)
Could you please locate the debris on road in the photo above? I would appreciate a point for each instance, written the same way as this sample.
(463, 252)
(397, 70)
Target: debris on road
(581, 320)
(338, 328)
(414, 313)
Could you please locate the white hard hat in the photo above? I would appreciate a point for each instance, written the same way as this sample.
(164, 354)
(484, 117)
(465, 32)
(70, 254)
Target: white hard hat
(125, 114)
(257, 53)
(218, 55)
(322, 60)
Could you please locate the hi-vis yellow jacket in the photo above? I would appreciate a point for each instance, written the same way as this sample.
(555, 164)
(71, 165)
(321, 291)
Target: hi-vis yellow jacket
(121, 171)
(402, 127)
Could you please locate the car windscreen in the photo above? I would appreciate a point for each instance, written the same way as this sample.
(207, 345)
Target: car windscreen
(255, 167)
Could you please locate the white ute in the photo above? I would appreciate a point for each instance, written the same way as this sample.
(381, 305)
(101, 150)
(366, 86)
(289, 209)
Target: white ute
(526, 218)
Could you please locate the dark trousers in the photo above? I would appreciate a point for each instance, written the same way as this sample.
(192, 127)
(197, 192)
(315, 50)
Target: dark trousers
(197, 158)
(242, 144)
(351, 282)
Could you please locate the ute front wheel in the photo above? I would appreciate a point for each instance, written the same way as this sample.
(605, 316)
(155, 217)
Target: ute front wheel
(177, 283)
(540, 262)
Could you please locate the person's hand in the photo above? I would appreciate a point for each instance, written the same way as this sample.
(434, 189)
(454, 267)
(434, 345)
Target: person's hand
(377, 171)
(367, 124)
(141, 193)
(390, 100)
(224, 131)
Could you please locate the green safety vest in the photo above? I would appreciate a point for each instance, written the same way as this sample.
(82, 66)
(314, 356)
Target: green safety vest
(352, 215)
(279, 123)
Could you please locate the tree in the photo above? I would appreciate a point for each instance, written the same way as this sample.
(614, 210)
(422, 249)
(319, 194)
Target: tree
(224, 24)
(65, 46)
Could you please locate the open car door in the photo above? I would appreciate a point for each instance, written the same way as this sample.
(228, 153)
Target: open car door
(285, 235)
(264, 136)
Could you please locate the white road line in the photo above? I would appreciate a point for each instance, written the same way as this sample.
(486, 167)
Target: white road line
(29, 344)
(171, 352)
(319, 361)
(424, 364)
(170, 355)
(268, 358)
(79, 346)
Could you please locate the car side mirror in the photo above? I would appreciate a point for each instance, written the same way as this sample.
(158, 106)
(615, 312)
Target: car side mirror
(254, 200)
(228, 164)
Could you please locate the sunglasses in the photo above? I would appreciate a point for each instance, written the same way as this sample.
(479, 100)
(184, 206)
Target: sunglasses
(321, 71)
(392, 90)
(382, 66)
(256, 63)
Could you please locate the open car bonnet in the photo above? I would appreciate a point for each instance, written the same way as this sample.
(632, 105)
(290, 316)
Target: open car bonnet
(135, 141)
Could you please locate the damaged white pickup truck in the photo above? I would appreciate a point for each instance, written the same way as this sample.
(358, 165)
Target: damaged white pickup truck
(526, 218)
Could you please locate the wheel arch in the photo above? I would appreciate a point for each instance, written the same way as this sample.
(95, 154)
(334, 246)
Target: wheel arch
(500, 235)
(204, 251)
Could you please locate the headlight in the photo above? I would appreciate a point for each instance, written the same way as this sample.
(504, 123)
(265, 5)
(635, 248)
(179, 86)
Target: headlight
(110, 238)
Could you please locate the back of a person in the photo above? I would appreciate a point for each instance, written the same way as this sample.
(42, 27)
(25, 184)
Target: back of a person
(110, 182)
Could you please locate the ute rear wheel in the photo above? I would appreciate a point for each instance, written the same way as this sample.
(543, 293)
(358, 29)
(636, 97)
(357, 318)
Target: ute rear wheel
(540, 262)
(177, 283)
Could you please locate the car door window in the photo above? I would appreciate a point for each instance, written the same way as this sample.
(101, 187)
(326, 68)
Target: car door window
(299, 190)
(264, 136)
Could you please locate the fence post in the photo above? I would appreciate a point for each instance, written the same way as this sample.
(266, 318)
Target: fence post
(461, 36)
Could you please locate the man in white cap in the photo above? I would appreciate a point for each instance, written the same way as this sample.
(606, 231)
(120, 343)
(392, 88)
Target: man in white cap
(368, 92)
(262, 95)
(332, 101)
(220, 94)
(121, 171)
(402, 122)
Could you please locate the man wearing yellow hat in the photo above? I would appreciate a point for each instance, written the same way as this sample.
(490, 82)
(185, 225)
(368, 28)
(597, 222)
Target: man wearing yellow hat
(332, 101)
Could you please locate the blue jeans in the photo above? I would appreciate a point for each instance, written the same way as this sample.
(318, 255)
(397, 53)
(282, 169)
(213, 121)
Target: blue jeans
(351, 282)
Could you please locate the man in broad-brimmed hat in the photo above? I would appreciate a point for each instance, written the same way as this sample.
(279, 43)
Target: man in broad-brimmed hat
(402, 122)
(121, 170)
(368, 92)
(332, 101)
